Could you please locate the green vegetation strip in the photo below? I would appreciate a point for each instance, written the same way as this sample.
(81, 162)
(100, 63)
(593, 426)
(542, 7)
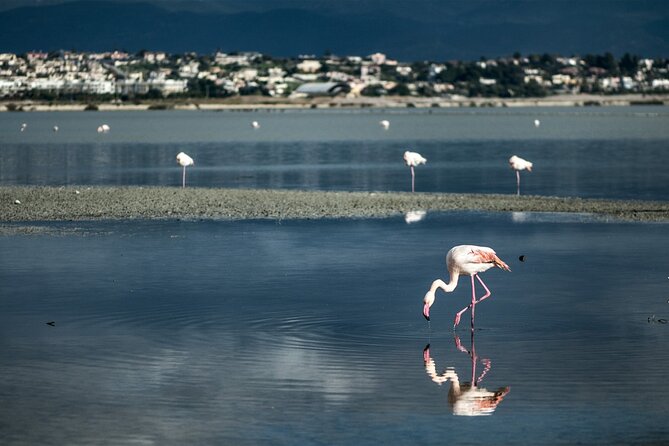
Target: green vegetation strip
(24, 204)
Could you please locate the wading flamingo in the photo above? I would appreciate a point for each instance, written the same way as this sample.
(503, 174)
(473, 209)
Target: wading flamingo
(518, 164)
(385, 124)
(184, 160)
(255, 124)
(468, 260)
(412, 159)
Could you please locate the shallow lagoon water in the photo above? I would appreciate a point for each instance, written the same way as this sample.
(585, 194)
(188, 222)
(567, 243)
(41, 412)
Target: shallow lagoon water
(594, 152)
(310, 332)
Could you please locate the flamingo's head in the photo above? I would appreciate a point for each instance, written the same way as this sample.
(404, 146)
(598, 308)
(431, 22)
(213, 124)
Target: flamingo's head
(428, 300)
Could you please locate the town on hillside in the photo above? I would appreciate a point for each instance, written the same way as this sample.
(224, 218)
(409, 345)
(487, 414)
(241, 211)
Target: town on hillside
(122, 76)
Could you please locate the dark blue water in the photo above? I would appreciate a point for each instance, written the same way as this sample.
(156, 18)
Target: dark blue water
(310, 332)
(618, 152)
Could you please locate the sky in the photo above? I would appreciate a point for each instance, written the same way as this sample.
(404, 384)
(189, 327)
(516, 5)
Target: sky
(404, 29)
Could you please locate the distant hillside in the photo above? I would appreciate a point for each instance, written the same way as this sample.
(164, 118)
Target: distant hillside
(470, 29)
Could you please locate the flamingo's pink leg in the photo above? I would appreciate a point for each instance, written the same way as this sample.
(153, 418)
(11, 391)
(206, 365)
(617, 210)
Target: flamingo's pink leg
(517, 182)
(487, 291)
(413, 180)
(474, 300)
(183, 180)
(471, 305)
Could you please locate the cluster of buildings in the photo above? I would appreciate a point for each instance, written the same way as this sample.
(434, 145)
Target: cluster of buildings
(122, 75)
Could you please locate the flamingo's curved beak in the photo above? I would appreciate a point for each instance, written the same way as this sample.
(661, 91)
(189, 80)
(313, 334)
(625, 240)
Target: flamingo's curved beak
(426, 311)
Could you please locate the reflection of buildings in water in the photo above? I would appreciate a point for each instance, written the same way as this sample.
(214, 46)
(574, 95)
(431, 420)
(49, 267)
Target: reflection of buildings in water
(414, 216)
(468, 398)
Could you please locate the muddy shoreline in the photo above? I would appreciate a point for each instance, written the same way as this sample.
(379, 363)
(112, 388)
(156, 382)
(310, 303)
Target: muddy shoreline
(78, 203)
(267, 103)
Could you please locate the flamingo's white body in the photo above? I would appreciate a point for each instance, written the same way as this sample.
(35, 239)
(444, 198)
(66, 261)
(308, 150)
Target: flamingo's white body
(55, 128)
(255, 124)
(385, 124)
(467, 260)
(185, 161)
(537, 123)
(413, 159)
(104, 128)
(518, 164)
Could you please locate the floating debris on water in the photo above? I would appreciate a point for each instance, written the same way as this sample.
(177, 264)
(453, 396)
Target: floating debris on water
(521, 258)
(652, 320)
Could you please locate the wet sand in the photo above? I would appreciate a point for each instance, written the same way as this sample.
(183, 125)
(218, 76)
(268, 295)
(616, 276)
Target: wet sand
(34, 204)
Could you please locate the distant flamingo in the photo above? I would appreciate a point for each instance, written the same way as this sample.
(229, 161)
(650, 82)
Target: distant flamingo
(537, 123)
(385, 124)
(467, 260)
(184, 160)
(104, 128)
(255, 124)
(413, 159)
(518, 164)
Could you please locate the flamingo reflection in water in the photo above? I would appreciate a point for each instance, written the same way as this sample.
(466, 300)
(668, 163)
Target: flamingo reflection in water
(468, 398)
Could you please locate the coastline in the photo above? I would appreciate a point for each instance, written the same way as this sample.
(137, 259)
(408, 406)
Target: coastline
(269, 103)
(20, 204)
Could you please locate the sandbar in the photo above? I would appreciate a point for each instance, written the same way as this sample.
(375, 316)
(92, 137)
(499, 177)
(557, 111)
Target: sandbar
(77, 203)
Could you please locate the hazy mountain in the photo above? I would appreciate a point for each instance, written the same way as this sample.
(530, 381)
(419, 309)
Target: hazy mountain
(429, 30)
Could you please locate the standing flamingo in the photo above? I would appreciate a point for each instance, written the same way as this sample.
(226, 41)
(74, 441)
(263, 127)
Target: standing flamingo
(413, 159)
(184, 160)
(518, 164)
(468, 260)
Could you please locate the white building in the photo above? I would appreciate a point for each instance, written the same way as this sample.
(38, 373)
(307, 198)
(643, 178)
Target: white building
(309, 66)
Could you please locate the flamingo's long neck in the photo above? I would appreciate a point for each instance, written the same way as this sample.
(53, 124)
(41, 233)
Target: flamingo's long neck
(447, 287)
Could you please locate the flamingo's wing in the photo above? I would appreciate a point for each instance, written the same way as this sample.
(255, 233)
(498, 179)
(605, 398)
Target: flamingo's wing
(479, 255)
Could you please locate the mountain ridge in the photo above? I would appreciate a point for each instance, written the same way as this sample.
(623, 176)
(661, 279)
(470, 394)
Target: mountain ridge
(466, 33)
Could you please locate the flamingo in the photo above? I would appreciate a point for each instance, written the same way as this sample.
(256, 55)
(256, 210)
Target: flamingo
(385, 124)
(413, 159)
(255, 124)
(184, 160)
(469, 260)
(104, 128)
(537, 123)
(518, 164)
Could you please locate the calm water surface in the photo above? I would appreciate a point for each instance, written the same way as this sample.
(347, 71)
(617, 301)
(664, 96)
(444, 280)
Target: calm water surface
(603, 152)
(310, 332)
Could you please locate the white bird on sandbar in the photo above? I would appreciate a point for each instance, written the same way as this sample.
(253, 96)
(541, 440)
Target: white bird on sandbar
(518, 164)
(413, 159)
(185, 161)
(385, 124)
(468, 260)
